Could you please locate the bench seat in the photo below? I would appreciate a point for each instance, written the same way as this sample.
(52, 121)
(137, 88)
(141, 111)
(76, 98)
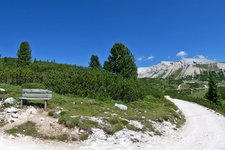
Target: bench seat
(36, 94)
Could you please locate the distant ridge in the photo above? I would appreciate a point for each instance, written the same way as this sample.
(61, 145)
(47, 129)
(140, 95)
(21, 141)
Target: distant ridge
(181, 69)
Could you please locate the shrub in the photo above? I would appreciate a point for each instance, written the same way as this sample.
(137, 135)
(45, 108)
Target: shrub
(33, 86)
(83, 82)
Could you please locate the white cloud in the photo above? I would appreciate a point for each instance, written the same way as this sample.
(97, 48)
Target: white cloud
(144, 58)
(150, 57)
(182, 54)
(200, 56)
(141, 58)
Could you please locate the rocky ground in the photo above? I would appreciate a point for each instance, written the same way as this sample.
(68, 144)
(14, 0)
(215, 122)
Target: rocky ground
(204, 129)
(13, 116)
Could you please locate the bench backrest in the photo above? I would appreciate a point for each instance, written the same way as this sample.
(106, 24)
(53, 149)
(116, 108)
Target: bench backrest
(37, 93)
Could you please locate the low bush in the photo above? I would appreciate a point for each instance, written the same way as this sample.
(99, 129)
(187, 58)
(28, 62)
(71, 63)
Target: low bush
(33, 86)
(80, 81)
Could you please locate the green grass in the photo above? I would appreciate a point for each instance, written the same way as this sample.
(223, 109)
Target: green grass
(84, 137)
(180, 121)
(11, 91)
(150, 108)
(143, 111)
(113, 128)
(28, 128)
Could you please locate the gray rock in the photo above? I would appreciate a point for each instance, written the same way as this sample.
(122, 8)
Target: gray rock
(10, 100)
(11, 110)
(98, 134)
(57, 114)
(14, 115)
(2, 90)
(121, 106)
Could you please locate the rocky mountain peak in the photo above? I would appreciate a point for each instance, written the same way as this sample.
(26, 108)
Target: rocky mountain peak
(183, 68)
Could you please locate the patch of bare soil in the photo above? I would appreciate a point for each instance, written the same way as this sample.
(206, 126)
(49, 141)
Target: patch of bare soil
(45, 124)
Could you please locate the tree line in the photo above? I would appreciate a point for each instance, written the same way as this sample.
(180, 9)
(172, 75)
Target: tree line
(116, 79)
(121, 60)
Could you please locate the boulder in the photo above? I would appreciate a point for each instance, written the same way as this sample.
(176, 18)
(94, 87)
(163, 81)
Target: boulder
(10, 100)
(121, 106)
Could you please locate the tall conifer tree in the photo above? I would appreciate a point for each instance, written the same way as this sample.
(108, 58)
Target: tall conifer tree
(24, 55)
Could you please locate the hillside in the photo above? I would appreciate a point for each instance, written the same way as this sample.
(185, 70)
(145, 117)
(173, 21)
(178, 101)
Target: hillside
(86, 104)
(185, 68)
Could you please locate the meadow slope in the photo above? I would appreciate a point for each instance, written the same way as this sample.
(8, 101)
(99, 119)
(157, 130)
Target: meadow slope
(204, 129)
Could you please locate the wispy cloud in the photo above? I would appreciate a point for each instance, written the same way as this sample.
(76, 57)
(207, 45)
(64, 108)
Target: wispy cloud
(145, 58)
(182, 54)
(200, 56)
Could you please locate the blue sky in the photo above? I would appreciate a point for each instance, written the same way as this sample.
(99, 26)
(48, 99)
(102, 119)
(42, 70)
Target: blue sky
(70, 31)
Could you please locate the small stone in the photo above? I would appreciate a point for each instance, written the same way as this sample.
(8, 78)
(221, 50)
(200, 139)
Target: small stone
(64, 130)
(14, 115)
(81, 131)
(2, 90)
(151, 133)
(42, 119)
(11, 110)
(11, 121)
(12, 137)
(121, 106)
(57, 114)
(51, 124)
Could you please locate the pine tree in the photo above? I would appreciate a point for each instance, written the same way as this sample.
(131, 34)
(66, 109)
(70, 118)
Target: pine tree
(35, 60)
(24, 55)
(212, 93)
(121, 61)
(94, 63)
(106, 66)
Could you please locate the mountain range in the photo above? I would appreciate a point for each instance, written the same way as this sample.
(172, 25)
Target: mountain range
(187, 67)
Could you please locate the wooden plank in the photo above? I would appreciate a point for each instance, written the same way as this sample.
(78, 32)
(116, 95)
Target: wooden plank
(21, 103)
(36, 91)
(37, 95)
(46, 103)
(26, 98)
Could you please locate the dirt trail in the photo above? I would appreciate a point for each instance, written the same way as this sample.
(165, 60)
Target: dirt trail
(203, 130)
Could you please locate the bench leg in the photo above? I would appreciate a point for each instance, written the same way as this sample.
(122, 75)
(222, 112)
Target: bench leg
(21, 103)
(46, 103)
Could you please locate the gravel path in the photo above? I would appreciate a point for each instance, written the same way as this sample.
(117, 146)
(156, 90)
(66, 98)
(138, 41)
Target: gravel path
(203, 130)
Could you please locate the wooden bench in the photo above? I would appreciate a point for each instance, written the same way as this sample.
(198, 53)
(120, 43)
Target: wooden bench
(36, 94)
